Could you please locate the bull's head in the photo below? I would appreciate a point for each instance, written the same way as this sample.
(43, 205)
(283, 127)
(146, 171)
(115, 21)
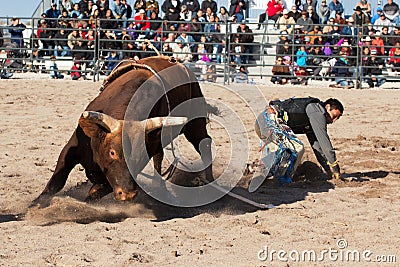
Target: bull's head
(106, 143)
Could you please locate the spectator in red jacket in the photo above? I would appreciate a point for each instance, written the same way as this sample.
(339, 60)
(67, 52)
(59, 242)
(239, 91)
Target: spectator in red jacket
(76, 71)
(142, 22)
(274, 10)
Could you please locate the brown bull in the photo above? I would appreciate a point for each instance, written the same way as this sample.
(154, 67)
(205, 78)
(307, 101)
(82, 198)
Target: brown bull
(103, 130)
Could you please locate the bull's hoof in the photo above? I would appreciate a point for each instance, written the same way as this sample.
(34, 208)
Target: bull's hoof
(97, 192)
(41, 201)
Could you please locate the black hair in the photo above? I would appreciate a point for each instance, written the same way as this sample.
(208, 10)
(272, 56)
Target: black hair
(335, 104)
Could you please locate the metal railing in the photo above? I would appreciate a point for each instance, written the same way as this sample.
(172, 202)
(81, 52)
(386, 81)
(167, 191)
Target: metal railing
(221, 62)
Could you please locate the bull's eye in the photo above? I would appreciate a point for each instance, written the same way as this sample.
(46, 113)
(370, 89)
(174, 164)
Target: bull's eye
(113, 154)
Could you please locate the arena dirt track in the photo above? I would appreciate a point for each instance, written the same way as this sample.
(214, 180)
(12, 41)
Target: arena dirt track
(39, 116)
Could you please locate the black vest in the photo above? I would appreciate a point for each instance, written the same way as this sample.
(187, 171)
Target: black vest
(293, 112)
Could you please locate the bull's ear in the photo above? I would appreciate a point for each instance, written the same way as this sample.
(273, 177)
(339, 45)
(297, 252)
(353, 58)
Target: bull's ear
(92, 122)
(158, 122)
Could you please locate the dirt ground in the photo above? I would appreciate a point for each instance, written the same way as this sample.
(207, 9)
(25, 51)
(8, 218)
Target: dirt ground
(311, 214)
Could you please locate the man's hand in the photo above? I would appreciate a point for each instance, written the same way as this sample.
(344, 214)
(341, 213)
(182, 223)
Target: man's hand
(335, 176)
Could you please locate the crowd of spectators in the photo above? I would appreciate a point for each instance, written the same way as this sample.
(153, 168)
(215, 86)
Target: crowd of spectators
(190, 30)
(313, 35)
(316, 39)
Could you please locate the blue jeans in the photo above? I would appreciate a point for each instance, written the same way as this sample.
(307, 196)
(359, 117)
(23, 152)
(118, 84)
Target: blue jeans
(64, 52)
(379, 79)
(343, 82)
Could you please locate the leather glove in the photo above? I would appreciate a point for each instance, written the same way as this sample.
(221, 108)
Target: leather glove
(336, 176)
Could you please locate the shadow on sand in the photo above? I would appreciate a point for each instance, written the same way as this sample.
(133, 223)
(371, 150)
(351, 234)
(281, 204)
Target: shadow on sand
(70, 206)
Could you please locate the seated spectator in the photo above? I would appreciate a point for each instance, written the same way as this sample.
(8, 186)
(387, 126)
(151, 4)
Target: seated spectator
(285, 23)
(108, 23)
(305, 21)
(73, 38)
(192, 5)
(185, 14)
(142, 22)
(138, 5)
(246, 37)
(76, 73)
(208, 13)
(237, 8)
(373, 70)
(91, 41)
(301, 56)
(340, 20)
(313, 34)
(152, 6)
(112, 61)
(315, 59)
(298, 35)
(91, 7)
(67, 5)
(47, 40)
(210, 27)
(129, 50)
(103, 6)
(369, 30)
(385, 37)
(274, 10)
(81, 53)
(280, 72)
(329, 26)
(335, 34)
(282, 45)
(132, 30)
(186, 39)
(209, 4)
(54, 73)
(335, 7)
(377, 41)
(223, 14)
(241, 75)
(166, 50)
(181, 52)
(320, 39)
(395, 37)
(391, 9)
(365, 7)
(61, 43)
(360, 18)
(295, 13)
(394, 57)
(171, 10)
(350, 31)
(155, 26)
(63, 18)
(201, 49)
(309, 3)
(382, 22)
(196, 28)
(312, 15)
(52, 14)
(76, 11)
(237, 50)
(323, 12)
(341, 72)
(377, 15)
(119, 12)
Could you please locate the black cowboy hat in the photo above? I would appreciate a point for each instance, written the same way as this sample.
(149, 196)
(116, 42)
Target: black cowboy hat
(358, 8)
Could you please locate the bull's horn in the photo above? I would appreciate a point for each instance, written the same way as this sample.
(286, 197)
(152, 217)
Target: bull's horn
(158, 122)
(102, 119)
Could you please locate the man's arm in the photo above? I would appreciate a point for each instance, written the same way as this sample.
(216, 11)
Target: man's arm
(322, 143)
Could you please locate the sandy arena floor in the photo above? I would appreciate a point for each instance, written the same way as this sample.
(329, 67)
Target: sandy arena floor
(39, 116)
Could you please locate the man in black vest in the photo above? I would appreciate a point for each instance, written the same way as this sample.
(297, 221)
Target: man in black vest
(282, 120)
